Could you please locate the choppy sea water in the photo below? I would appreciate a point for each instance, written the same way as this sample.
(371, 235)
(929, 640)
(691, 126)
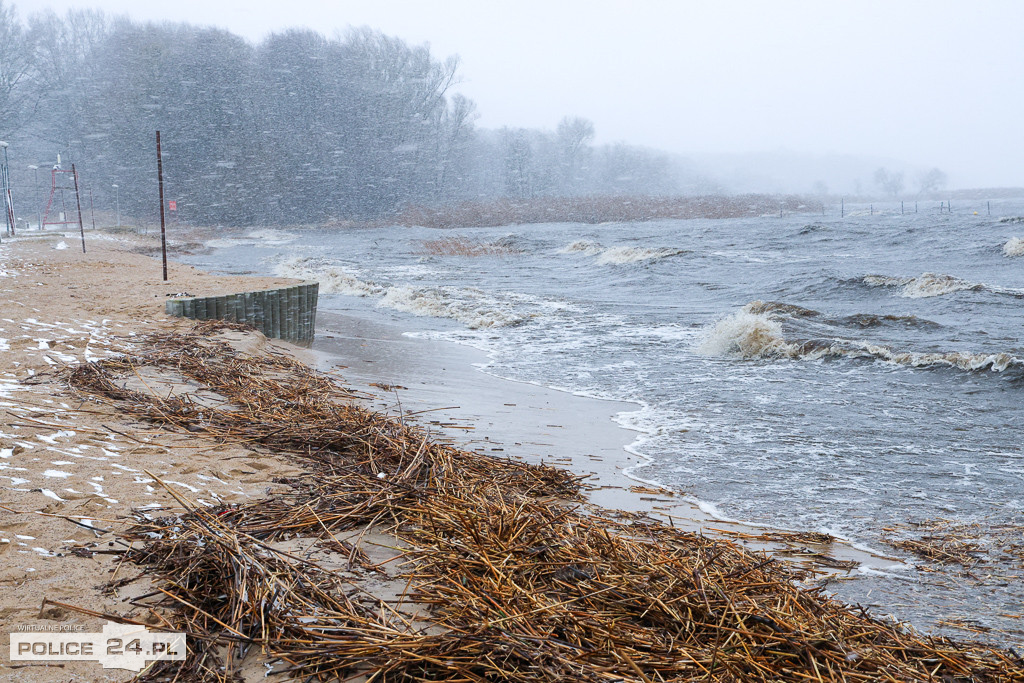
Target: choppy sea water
(852, 375)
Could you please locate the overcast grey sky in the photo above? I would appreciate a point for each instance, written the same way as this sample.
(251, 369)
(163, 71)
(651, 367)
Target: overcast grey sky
(932, 83)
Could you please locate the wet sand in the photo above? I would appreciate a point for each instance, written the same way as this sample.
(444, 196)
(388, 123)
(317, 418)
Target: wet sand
(443, 386)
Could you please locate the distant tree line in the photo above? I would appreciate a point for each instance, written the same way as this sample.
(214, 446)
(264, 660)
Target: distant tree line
(892, 182)
(299, 128)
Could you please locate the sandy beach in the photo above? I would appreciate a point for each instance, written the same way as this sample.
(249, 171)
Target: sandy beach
(68, 463)
(62, 459)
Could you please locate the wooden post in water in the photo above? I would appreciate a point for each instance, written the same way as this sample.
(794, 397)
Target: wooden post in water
(160, 178)
(842, 207)
(78, 201)
(901, 207)
(989, 208)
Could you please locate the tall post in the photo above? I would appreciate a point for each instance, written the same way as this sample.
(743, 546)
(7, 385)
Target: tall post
(842, 207)
(163, 228)
(5, 178)
(39, 201)
(92, 209)
(78, 201)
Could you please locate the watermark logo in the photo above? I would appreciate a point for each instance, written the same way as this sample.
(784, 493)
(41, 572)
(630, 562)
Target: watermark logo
(118, 646)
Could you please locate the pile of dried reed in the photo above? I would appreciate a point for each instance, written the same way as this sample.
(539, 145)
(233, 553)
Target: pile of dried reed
(514, 577)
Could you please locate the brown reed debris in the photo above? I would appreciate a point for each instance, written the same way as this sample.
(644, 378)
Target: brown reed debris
(514, 578)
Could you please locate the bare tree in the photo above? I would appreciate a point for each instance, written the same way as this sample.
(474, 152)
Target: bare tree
(892, 183)
(573, 134)
(15, 71)
(931, 180)
(518, 158)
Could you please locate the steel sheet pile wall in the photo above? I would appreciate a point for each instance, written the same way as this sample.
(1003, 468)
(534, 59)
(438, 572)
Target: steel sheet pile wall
(288, 313)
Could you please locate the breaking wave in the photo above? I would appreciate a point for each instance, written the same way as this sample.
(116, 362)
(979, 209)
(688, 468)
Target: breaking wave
(619, 255)
(855, 320)
(812, 228)
(935, 284)
(924, 285)
(872, 320)
(470, 306)
(635, 254)
(332, 279)
(265, 237)
(780, 307)
(582, 247)
(749, 334)
(1014, 247)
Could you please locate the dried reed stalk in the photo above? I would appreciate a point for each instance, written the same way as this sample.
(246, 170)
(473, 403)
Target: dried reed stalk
(520, 580)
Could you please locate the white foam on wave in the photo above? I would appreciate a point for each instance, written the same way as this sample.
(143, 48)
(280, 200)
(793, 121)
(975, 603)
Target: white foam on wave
(264, 237)
(750, 335)
(924, 285)
(618, 255)
(332, 279)
(469, 306)
(997, 362)
(746, 334)
(1014, 247)
(582, 247)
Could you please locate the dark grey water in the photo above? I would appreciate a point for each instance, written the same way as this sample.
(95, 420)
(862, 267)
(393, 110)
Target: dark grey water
(832, 374)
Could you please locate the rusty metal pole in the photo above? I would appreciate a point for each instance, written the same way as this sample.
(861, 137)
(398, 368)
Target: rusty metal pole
(163, 229)
(78, 201)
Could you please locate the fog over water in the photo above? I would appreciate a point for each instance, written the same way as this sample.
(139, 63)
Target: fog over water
(908, 86)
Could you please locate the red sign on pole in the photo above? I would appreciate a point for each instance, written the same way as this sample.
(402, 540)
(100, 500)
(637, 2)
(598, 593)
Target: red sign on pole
(172, 205)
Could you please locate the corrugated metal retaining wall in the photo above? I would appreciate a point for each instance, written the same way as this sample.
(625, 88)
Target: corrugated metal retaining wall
(288, 313)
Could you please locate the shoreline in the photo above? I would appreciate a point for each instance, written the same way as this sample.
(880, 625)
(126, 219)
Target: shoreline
(588, 439)
(206, 462)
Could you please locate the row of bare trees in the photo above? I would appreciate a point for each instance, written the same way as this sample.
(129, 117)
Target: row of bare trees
(298, 128)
